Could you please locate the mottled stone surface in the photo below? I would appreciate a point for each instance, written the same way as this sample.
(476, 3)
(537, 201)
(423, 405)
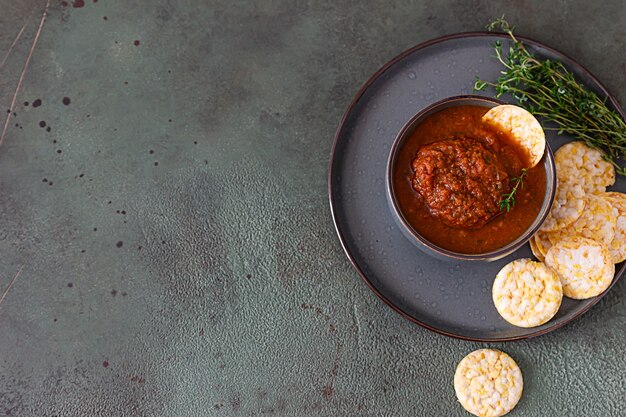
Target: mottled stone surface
(178, 254)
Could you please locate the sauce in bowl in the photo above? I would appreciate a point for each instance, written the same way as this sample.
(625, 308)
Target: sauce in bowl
(450, 175)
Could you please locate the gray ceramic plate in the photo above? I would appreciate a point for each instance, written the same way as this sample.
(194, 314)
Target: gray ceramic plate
(451, 299)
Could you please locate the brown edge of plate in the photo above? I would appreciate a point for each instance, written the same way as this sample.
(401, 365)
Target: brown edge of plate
(351, 106)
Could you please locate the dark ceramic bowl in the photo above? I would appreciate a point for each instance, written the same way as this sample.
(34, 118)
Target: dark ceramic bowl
(421, 242)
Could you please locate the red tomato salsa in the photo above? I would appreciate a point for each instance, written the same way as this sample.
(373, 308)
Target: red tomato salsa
(450, 176)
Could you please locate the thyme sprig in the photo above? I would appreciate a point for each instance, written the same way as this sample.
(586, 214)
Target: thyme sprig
(508, 199)
(547, 89)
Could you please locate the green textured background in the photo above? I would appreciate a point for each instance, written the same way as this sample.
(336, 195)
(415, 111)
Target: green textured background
(230, 294)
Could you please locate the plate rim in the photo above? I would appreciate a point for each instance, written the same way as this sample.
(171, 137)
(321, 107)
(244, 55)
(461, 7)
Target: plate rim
(333, 209)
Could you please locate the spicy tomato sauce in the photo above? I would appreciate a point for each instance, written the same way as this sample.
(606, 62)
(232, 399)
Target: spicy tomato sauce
(451, 174)
(460, 180)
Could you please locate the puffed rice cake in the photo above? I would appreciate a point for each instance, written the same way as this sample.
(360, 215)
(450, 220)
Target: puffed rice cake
(598, 222)
(488, 383)
(617, 247)
(527, 293)
(535, 250)
(576, 161)
(585, 266)
(568, 206)
(542, 243)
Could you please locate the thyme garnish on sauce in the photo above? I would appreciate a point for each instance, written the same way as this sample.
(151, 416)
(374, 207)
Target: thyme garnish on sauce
(508, 199)
(546, 88)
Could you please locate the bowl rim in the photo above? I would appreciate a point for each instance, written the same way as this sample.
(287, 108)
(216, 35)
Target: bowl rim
(416, 237)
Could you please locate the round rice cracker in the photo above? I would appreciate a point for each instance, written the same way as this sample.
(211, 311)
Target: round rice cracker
(577, 162)
(598, 222)
(614, 196)
(568, 206)
(617, 247)
(527, 293)
(488, 383)
(542, 243)
(584, 266)
(522, 126)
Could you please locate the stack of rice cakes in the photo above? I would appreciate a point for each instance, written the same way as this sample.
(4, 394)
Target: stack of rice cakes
(580, 242)
(585, 233)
